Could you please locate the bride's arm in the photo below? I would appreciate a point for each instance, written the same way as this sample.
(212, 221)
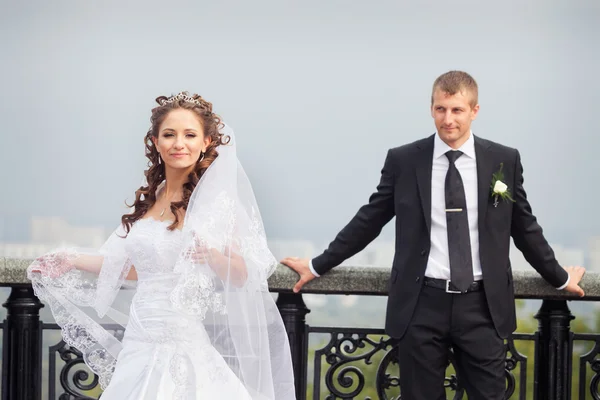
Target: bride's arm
(230, 266)
(88, 263)
(93, 264)
(132, 275)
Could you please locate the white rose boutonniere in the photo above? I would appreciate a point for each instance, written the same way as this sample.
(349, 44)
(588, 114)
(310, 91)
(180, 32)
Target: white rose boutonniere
(499, 188)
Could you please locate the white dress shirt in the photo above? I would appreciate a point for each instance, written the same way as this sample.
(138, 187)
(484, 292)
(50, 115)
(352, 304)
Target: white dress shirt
(438, 263)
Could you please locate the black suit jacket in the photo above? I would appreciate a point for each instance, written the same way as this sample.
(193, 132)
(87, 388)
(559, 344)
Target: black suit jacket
(405, 192)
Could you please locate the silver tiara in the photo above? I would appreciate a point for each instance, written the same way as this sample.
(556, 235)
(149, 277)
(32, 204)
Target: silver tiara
(181, 96)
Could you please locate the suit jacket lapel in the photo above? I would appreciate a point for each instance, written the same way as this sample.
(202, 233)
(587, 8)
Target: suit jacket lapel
(423, 166)
(485, 167)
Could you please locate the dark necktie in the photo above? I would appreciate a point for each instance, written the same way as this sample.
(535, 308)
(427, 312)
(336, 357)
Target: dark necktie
(459, 241)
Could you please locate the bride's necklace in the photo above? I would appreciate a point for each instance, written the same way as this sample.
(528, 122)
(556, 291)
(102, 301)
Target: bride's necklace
(163, 211)
(165, 207)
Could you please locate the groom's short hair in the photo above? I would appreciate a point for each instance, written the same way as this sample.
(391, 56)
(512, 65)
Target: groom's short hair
(453, 82)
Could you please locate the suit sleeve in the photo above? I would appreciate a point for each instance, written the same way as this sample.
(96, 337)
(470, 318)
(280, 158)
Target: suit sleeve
(365, 226)
(528, 235)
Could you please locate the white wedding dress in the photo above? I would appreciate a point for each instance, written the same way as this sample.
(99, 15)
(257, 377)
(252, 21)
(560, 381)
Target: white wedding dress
(165, 354)
(193, 329)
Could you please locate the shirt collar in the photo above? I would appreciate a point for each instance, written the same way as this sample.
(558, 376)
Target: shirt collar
(440, 148)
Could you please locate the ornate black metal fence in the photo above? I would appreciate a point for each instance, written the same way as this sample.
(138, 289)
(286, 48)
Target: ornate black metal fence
(347, 363)
(339, 365)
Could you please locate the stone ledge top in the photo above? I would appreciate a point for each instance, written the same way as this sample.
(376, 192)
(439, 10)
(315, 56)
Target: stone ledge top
(374, 281)
(357, 280)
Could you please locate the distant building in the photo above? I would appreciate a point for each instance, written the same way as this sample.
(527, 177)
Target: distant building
(379, 253)
(291, 248)
(55, 230)
(593, 259)
(565, 256)
(48, 233)
(23, 250)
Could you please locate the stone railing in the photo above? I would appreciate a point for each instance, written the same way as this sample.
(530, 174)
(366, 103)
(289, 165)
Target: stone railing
(334, 372)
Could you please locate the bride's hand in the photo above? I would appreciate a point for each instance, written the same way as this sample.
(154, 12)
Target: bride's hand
(212, 257)
(53, 265)
(200, 253)
(228, 265)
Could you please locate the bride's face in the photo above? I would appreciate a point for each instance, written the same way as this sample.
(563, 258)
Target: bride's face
(180, 139)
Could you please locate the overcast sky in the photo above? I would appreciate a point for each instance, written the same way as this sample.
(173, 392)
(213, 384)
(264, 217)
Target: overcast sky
(317, 91)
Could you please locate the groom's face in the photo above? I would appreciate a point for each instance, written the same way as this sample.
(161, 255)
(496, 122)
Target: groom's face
(453, 115)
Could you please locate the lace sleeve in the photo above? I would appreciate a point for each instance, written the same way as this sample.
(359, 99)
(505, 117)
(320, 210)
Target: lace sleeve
(89, 307)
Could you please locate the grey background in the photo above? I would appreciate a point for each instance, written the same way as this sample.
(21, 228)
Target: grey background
(317, 91)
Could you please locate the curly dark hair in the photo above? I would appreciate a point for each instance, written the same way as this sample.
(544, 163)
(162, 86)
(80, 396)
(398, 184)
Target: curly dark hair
(145, 196)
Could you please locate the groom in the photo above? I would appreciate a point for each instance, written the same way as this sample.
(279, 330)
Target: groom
(457, 199)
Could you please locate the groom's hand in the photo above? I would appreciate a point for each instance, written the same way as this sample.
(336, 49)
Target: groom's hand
(300, 265)
(575, 275)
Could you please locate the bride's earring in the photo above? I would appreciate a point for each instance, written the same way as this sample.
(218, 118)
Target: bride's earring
(159, 159)
(202, 153)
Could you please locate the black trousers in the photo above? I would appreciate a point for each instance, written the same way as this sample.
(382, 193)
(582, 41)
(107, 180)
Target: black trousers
(459, 321)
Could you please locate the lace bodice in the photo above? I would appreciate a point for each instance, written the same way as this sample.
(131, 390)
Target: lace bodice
(152, 248)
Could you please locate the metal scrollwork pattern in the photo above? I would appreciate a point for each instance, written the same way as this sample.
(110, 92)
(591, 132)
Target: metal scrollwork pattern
(352, 371)
(590, 358)
(341, 352)
(74, 376)
(515, 359)
(385, 381)
(359, 362)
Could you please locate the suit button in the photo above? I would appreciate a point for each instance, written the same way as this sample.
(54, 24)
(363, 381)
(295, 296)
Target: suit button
(423, 252)
(417, 280)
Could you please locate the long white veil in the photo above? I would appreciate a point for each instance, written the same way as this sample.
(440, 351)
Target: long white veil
(221, 280)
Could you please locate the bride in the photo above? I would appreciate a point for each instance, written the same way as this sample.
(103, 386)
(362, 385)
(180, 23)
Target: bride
(184, 276)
